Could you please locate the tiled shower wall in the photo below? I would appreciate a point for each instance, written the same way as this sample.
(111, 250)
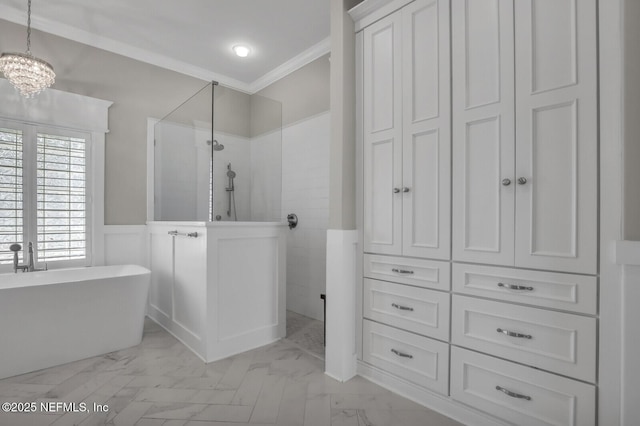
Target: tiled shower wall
(305, 192)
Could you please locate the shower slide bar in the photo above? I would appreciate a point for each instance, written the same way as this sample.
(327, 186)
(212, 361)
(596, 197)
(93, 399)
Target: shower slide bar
(183, 234)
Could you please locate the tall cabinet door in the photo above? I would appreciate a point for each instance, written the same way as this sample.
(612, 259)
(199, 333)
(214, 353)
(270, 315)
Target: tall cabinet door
(483, 131)
(426, 132)
(556, 139)
(382, 124)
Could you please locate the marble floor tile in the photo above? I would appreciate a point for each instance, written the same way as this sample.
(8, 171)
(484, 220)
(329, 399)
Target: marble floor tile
(306, 332)
(161, 382)
(225, 413)
(268, 403)
(174, 410)
(344, 418)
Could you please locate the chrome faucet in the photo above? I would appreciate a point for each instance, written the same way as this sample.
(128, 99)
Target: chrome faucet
(15, 248)
(30, 267)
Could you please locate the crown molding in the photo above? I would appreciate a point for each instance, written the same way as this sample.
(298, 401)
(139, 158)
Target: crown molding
(162, 61)
(293, 64)
(370, 11)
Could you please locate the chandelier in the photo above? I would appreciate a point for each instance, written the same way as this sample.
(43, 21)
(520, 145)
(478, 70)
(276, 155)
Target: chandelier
(24, 71)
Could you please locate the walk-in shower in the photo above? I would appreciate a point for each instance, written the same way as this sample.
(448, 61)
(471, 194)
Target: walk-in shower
(218, 156)
(215, 207)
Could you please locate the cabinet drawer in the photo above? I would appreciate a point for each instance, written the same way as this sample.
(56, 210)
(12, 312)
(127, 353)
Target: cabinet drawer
(418, 272)
(418, 359)
(577, 293)
(415, 309)
(520, 394)
(559, 342)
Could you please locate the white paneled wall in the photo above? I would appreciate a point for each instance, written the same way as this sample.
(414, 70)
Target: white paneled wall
(125, 245)
(305, 192)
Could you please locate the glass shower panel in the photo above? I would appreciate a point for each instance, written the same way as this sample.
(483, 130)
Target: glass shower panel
(182, 156)
(218, 156)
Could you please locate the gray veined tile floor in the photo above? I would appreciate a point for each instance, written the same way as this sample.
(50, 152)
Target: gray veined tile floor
(160, 382)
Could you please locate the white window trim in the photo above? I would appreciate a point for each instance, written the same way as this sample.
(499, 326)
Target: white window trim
(56, 109)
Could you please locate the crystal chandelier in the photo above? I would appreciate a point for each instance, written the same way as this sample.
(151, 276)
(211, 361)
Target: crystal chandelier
(24, 71)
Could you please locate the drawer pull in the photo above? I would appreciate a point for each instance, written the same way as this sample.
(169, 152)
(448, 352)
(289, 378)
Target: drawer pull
(513, 394)
(513, 334)
(515, 287)
(401, 354)
(402, 308)
(402, 271)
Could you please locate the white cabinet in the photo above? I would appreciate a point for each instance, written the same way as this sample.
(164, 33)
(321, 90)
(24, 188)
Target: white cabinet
(406, 121)
(413, 309)
(219, 287)
(525, 133)
(522, 184)
(555, 341)
(417, 359)
(516, 394)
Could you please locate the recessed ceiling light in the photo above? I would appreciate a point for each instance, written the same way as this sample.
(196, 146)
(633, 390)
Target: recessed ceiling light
(242, 51)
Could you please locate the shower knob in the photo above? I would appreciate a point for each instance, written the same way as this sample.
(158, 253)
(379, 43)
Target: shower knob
(292, 218)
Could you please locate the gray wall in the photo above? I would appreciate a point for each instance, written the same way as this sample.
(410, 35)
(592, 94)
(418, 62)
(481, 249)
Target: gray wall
(138, 90)
(342, 186)
(631, 120)
(303, 93)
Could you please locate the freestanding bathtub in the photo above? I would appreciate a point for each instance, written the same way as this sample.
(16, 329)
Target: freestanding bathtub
(53, 317)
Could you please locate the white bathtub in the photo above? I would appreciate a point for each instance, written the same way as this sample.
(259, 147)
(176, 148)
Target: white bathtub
(54, 317)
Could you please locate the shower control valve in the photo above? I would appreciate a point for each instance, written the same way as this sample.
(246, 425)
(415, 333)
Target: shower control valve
(292, 218)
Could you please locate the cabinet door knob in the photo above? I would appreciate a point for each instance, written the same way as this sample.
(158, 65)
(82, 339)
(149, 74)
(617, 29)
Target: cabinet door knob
(396, 190)
(522, 180)
(506, 182)
(405, 189)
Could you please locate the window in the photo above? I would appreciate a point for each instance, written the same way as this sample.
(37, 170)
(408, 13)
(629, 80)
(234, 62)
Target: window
(44, 194)
(11, 225)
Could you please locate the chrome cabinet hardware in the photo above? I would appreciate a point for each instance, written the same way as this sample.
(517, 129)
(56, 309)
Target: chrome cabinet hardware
(522, 180)
(402, 308)
(513, 394)
(396, 190)
(402, 271)
(506, 182)
(183, 234)
(514, 334)
(405, 189)
(515, 287)
(401, 354)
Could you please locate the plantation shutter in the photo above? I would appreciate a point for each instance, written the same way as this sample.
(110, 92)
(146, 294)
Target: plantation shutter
(11, 194)
(61, 198)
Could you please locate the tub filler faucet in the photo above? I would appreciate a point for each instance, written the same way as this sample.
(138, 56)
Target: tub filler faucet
(15, 248)
(29, 267)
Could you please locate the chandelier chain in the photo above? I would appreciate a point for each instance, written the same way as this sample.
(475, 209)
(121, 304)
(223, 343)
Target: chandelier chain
(29, 27)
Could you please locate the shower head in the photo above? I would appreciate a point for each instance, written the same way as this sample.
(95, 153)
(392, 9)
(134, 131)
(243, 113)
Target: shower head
(217, 146)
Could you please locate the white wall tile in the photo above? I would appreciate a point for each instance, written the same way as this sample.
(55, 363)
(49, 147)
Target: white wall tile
(305, 192)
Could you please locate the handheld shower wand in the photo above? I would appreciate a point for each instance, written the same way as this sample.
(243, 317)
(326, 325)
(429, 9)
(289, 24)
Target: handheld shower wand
(231, 191)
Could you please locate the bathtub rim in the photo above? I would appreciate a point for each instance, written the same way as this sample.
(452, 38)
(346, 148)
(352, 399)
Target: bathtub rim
(13, 280)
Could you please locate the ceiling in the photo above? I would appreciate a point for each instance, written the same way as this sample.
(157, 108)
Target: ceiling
(193, 37)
